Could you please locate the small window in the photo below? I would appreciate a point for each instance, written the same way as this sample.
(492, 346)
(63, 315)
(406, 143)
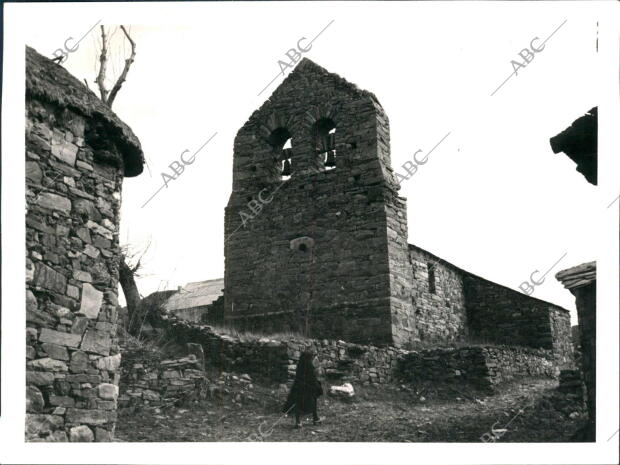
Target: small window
(431, 278)
(325, 140)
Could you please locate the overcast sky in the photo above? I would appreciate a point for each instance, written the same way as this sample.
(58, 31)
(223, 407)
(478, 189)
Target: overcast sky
(492, 198)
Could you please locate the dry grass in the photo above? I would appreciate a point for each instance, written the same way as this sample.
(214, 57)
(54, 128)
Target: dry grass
(249, 336)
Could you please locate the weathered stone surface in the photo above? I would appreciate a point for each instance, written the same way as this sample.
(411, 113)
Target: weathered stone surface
(103, 435)
(97, 342)
(90, 417)
(82, 276)
(79, 362)
(31, 301)
(81, 434)
(91, 301)
(34, 399)
(61, 401)
(47, 364)
(73, 291)
(55, 351)
(38, 424)
(39, 378)
(33, 172)
(107, 391)
(48, 278)
(65, 151)
(54, 202)
(111, 363)
(60, 338)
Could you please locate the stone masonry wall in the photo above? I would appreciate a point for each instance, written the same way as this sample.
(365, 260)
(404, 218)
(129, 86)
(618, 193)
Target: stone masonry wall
(72, 263)
(74, 173)
(149, 379)
(482, 368)
(440, 313)
(498, 314)
(320, 256)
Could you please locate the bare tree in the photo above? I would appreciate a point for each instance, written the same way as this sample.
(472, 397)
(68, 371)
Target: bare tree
(128, 266)
(108, 96)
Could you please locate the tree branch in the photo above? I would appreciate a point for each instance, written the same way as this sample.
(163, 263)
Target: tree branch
(103, 60)
(123, 75)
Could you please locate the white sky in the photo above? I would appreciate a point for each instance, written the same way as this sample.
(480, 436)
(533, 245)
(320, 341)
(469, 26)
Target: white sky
(492, 199)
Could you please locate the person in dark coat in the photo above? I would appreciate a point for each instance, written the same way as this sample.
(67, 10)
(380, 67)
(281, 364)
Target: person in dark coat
(305, 391)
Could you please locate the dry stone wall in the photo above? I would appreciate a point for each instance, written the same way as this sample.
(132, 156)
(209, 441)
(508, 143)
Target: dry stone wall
(482, 368)
(76, 156)
(147, 378)
(500, 315)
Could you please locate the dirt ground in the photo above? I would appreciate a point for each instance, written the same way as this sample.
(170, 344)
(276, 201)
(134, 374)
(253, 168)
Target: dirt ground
(527, 411)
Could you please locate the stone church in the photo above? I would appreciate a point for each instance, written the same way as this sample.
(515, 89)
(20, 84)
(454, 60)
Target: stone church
(316, 235)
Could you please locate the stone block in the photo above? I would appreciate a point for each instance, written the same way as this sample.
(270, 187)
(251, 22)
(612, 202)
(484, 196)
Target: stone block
(107, 391)
(111, 363)
(34, 399)
(33, 172)
(79, 325)
(54, 202)
(55, 351)
(81, 434)
(73, 291)
(39, 378)
(39, 424)
(60, 338)
(97, 342)
(48, 278)
(103, 435)
(47, 364)
(62, 401)
(91, 301)
(83, 276)
(65, 151)
(89, 417)
(79, 362)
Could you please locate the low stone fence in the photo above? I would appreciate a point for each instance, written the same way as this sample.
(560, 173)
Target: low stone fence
(148, 379)
(276, 360)
(483, 367)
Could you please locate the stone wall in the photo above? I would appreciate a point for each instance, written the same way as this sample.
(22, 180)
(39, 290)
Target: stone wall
(440, 310)
(322, 253)
(500, 315)
(148, 378)
(275, 360)
(77, 153)
(483, 368)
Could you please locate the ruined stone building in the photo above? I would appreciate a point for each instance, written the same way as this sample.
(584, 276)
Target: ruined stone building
(77, 153)
(316, 235)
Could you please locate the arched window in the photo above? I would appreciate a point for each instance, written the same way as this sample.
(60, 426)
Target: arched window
(280, 141)
(325, 143)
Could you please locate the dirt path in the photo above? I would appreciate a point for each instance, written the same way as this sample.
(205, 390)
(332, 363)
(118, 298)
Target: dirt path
(532, 411)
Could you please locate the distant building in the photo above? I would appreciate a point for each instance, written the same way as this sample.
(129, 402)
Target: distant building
(196, 302)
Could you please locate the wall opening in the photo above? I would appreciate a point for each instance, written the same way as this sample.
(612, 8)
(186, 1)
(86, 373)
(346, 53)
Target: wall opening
(431, 278)
(325, 143)
(281, 143)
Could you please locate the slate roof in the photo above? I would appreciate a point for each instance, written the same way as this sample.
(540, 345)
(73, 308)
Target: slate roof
(196, 294)
(577, 276)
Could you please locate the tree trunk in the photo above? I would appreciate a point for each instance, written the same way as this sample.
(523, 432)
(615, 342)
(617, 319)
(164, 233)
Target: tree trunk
(132, 296)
